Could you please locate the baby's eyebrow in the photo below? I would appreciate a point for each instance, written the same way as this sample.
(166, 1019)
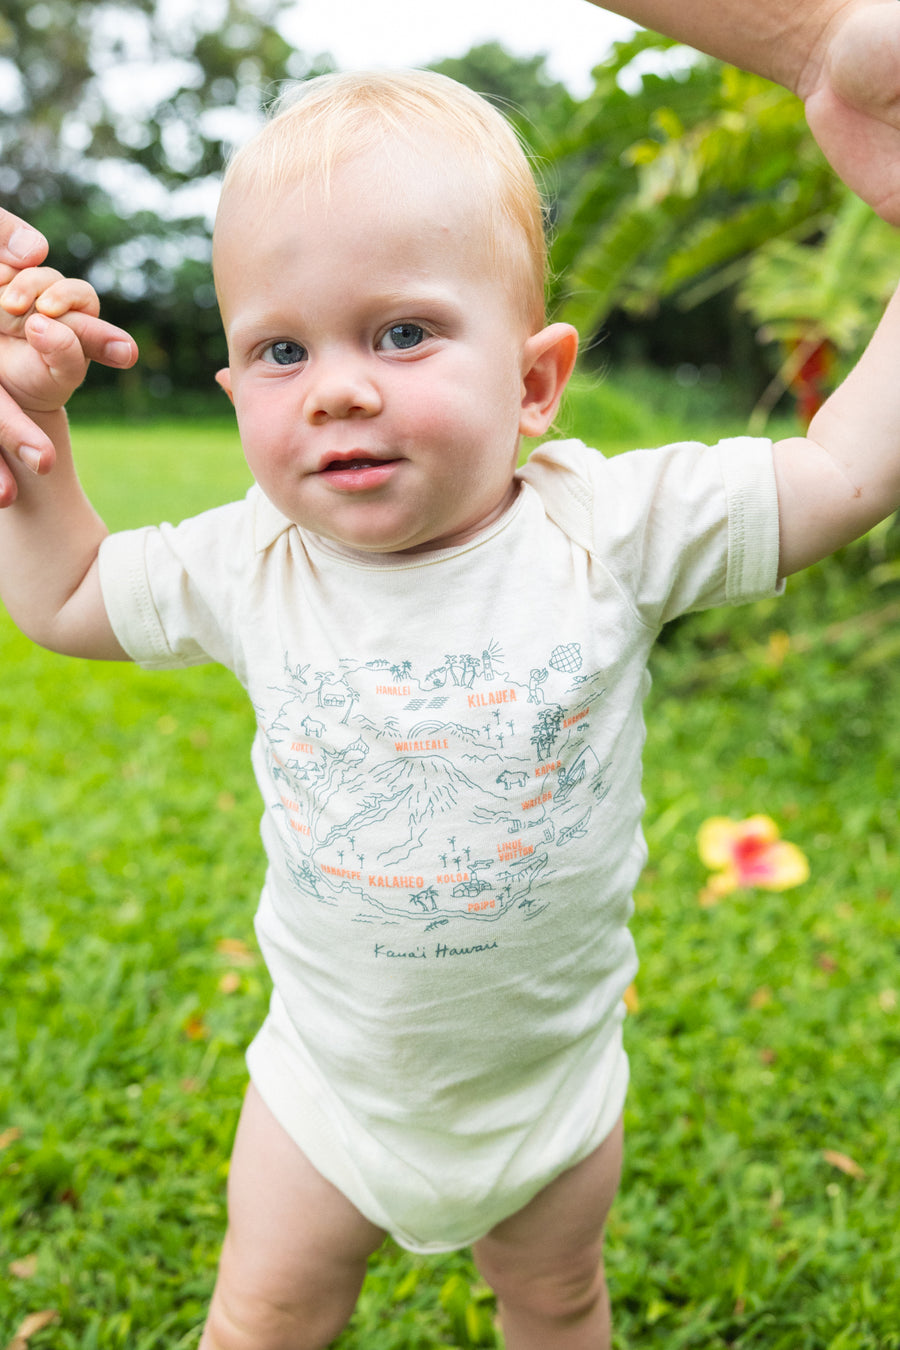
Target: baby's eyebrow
(262, 327)
(413, 295)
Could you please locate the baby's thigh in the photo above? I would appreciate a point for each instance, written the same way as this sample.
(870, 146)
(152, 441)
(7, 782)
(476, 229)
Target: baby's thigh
(558, 1236)
(296, 1249)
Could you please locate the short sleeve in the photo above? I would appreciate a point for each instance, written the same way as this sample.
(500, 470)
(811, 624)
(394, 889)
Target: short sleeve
(683, 527)
(171, 591)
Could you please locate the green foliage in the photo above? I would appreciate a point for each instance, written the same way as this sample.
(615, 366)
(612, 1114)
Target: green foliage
(767, 1031)
(801, 290)
(470, 1309)
(688, 171)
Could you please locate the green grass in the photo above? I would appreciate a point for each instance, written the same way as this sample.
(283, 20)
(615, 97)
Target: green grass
(635, 406)
(767, 1032)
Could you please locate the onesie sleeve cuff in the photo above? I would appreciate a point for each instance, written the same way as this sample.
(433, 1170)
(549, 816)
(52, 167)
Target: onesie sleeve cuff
(754, 542)
(129, 602)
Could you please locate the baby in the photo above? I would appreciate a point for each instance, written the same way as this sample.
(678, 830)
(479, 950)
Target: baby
(447, 658)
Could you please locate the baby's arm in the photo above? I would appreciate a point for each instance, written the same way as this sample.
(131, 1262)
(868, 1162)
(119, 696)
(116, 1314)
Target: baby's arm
(844, 476)
(841, 56)
(50, 536)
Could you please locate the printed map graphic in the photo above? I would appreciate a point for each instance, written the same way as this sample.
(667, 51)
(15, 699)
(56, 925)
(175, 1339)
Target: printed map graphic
(424, 795)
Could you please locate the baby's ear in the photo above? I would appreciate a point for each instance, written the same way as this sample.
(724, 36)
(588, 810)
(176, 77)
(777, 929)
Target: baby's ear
(223, 380)
(548, 359)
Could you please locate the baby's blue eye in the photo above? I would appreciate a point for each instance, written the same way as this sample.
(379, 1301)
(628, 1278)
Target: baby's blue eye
(285, 353)
(401, 337)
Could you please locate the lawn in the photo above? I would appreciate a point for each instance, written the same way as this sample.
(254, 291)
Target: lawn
(761, 1196)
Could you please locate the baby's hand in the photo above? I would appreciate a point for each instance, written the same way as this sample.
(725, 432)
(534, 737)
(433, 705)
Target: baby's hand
(41, 360)
(49, 333)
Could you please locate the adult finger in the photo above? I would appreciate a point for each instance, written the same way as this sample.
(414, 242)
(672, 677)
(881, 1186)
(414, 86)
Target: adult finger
(22, 440)
(8, 489)
(20, 244)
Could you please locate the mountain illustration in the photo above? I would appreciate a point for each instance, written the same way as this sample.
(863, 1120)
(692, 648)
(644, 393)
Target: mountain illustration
(404, 798)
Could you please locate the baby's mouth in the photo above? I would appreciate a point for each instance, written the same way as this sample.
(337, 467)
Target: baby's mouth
(359, 472)
(341, 465)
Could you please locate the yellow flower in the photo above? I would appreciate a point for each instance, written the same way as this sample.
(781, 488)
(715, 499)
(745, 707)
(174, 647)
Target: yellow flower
(746, 853)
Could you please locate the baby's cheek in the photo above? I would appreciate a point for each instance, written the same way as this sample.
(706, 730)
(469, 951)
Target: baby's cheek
(262, 437)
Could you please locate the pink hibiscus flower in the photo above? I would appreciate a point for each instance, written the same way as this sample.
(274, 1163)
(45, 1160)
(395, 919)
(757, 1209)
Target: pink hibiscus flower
(745, 854)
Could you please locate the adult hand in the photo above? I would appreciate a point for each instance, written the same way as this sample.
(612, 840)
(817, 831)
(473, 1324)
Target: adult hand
(851, 90)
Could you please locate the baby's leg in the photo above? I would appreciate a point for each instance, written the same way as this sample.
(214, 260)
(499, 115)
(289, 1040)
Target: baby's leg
(545, 1263)
(295, 1252)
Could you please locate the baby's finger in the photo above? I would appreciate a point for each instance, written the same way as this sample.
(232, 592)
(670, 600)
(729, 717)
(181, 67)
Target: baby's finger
(102, 341)
(65, 294)
(60, 349)
(25, 287)
(18, 297)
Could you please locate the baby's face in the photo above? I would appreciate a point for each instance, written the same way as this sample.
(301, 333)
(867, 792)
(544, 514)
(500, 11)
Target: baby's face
(377, 362)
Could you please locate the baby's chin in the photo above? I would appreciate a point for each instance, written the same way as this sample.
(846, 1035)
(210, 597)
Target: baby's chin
(374, 541)
(387, 522)
(367, 531)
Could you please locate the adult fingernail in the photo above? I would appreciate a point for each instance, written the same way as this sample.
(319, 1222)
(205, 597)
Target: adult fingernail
(24, 241)
(30, 457)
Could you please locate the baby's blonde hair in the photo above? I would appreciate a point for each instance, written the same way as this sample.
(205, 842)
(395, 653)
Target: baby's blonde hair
(321, 123)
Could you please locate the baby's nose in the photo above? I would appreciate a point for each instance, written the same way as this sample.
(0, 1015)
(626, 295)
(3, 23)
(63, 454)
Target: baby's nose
(340, 389)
